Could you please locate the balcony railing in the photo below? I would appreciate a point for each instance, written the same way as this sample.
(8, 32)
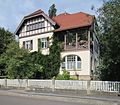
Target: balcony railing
(82, 45)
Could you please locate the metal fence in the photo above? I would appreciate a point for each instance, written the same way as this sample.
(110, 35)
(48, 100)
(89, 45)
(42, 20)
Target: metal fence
(105, 86)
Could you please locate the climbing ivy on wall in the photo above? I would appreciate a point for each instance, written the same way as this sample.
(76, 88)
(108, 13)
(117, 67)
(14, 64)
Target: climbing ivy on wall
(50, 63)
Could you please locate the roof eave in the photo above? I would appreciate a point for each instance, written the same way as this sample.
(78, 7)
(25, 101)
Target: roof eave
(25, 18)
(58, 30)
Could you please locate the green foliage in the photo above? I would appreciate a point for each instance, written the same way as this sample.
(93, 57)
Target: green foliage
(54, 56)
(64, 76)
(50, 63)
(18, 63)
(71, 38)
(52, 11)
(109, 19)
(5, 38)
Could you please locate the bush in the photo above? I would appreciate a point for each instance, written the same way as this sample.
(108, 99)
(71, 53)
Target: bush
(64, 76)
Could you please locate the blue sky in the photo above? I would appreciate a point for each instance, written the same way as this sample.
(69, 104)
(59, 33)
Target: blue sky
(12, 11)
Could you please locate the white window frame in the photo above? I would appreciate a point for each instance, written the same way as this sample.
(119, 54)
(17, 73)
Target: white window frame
(44, 43)
(28, 45)
(73, 62)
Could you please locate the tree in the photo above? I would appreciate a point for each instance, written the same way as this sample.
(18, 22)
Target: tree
(52, 11)
(17, 62)
(54, 56)
(38, 59)
(5, 38)
(109, 19)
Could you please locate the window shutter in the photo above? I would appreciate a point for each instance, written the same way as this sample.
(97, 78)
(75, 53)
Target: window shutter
(39, 44)
(48, 42)
(31, 45)
(24, 44)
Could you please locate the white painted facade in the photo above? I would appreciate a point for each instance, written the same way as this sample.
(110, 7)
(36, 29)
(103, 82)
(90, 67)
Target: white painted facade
(35, 41)
(87, 62)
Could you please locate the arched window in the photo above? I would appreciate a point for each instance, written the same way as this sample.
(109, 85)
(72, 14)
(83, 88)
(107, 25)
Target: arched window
(71, 62)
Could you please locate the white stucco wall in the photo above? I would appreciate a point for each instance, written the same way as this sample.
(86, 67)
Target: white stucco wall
(85, 62)
(35, 41)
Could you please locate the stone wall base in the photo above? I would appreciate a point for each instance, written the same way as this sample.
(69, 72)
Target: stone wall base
(81, 77)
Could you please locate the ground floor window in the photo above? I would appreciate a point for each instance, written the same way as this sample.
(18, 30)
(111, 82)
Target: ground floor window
(43, 43)
(71, 62)
(28, 45)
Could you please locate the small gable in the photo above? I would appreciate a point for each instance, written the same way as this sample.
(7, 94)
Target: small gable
(35, 20)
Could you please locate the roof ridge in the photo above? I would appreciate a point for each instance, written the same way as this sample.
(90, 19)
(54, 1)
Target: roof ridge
(35, 13)
(86, 13)
(64, 13)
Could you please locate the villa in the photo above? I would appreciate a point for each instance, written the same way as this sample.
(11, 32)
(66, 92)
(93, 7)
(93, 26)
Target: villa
(77, 32)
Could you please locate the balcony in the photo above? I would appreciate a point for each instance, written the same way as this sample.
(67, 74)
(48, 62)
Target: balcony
(82, 45)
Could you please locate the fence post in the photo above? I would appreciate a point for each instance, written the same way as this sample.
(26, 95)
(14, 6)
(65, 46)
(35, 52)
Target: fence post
(27, 85)
(5, 83)
(53, 85)
(88, 87)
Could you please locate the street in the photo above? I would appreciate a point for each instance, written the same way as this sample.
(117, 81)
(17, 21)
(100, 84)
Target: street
(15, 100)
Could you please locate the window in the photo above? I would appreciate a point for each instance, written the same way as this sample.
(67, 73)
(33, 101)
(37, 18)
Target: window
(78, 63)
(35, 26)
(63, 63)
(71, 62)
(44, 42)
(28, 45)
(30, 27)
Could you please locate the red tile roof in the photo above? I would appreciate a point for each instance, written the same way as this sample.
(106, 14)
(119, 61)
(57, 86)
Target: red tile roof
(69, 21)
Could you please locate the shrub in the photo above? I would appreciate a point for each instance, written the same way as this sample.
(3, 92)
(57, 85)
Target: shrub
(64, 76)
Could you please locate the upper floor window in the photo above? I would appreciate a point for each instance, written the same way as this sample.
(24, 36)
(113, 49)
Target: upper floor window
(28, 45)
(35, 26)
(71, 62)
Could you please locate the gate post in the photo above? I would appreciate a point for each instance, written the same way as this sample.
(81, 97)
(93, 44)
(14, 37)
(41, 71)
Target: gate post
(53, 85)
(88, 87)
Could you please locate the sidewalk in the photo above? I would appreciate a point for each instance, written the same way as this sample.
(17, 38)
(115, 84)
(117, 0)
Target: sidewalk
(79, 98)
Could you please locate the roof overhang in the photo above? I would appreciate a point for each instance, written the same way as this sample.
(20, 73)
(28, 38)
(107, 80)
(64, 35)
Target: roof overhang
(25, 18)
(69, 28)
